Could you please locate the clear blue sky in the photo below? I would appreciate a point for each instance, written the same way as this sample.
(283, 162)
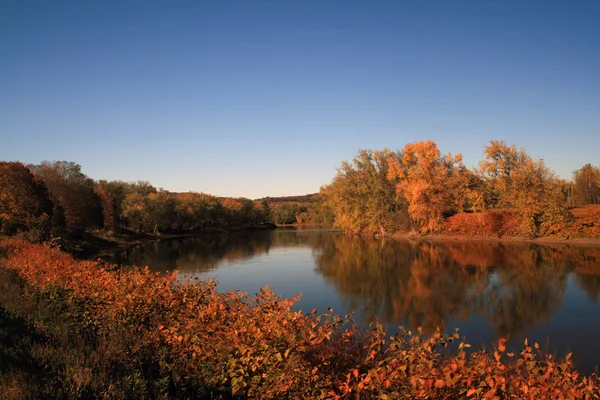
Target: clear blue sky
(267, 97)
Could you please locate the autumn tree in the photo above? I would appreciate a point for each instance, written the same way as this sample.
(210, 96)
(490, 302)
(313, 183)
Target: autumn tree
(516, 181)
(152, 213)
(134, 211)
(433, 185)
(237, 212)
(111, 195)
(286, 212)
(72, 190)
(260, 212)
(197, 211)
(586, 181)
(25, 205)
(362, 198)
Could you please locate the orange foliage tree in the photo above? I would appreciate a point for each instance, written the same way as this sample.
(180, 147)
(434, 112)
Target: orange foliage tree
(72, 190)
(433, 185)
(586, 182)
(24, 202)
(516, 181)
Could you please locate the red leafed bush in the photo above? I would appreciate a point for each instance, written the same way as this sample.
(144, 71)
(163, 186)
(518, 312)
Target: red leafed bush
(586, 223)
(164, 336)
(493, 223)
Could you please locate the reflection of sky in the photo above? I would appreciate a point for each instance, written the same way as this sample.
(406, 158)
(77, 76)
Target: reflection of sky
(573, 327)
(287, 271)
(289, 268)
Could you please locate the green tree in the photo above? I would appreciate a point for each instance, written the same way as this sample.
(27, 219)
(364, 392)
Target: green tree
(362, 198)
(286, 212)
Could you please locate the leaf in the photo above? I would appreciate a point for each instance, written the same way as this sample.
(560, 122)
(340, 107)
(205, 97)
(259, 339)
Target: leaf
(501, 344)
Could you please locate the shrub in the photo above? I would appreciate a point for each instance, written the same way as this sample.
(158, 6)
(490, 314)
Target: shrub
(113, 334)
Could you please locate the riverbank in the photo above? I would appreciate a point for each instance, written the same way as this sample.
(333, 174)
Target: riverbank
(441, 237)
(87, 330)
(99, 243)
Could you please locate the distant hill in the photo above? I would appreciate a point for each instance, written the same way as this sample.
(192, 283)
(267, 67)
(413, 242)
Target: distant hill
(306, 198)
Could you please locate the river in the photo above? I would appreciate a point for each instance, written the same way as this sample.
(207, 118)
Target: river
(546, 293)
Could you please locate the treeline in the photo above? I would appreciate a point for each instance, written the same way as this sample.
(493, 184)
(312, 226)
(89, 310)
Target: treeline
(54, 199)
(309, 209)
(418, 188)
(306, 198)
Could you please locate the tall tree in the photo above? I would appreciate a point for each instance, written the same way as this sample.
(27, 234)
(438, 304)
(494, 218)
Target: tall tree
(516, 181)
(152, 213)
(433, 185)
(362, 198)
(587, 184)
(25, 205)
(111, 195)
(73, 191)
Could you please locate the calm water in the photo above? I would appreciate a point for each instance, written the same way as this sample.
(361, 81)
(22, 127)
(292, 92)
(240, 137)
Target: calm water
(545, 293)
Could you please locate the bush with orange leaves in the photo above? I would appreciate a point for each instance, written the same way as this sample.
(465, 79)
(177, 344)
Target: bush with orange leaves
(164, 336)
(586, 221)
(492, 223)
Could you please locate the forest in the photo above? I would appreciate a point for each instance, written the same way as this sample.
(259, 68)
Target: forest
(420, 190)
(415, 190)
(54, 199)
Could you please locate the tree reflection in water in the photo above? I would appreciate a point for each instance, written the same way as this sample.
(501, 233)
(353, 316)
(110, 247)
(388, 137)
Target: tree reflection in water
(424, 284)
(514, 287)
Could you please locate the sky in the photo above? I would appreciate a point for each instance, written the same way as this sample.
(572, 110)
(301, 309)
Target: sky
(263, 98)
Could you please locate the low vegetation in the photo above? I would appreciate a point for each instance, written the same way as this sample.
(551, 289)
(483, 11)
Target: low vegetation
(79, 329)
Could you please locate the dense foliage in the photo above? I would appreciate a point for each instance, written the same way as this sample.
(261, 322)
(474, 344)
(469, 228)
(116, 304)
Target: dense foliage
(56, 199)
(416, 189)
(419, 188)
(361, 196)
(24, 203)
(89, 332)
(301, 210)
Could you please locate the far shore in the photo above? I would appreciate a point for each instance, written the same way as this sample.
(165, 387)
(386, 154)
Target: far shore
(440, 237)
(101, 246)
(92, 245)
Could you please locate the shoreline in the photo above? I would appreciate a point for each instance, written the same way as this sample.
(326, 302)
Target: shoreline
(104, 246)
(97, 246)
(440, 237)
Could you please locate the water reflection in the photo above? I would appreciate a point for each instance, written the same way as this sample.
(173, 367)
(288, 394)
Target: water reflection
(486, 288)
(206, 253)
